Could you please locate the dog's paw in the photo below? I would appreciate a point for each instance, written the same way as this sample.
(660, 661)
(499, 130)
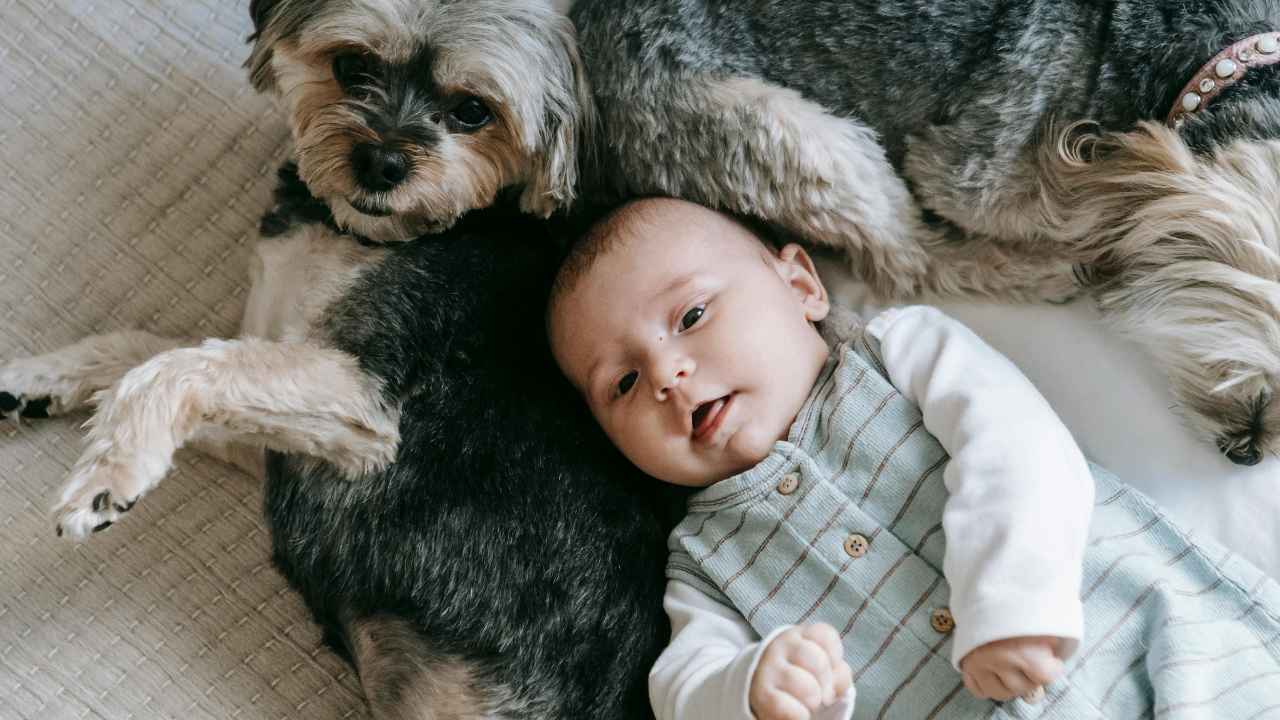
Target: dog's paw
(33, 388)
(95, 496)
(13, 407)
(1248, 433)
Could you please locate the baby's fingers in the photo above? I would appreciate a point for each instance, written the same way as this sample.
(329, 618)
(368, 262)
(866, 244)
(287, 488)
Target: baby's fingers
(841, 678)
(803, 686)
(1017, 683)
(811, 658)
(778, 705)
(987, 685)
(826, 637)
(1043, 669)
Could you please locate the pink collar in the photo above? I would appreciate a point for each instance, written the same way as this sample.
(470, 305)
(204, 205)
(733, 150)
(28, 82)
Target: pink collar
(1224, 70)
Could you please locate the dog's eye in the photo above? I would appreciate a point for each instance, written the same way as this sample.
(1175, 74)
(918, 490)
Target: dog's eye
(354, 68)
(470, 114)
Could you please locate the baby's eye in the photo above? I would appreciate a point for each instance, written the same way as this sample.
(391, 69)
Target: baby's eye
(627, 382)
(692, 317)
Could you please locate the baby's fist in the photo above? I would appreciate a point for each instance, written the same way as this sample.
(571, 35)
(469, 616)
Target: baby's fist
(801, 670)
(1016, 667)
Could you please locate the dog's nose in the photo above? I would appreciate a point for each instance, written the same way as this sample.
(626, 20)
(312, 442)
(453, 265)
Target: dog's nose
(378, 169)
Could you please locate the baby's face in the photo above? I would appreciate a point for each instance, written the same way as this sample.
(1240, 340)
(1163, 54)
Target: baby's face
(693, 344)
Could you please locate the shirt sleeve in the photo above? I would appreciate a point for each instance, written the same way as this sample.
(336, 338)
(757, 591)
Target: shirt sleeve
(1017, 519)
(705, 672)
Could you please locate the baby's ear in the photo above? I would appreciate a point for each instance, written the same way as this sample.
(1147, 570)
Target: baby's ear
(799, 273)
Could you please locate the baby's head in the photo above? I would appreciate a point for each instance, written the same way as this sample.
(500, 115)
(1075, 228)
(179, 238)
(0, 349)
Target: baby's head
(691, 338)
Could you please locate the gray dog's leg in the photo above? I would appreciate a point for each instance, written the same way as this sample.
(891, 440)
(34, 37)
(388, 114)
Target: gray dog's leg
(751, 147)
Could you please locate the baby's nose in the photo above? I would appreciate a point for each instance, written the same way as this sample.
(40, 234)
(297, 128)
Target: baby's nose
(669, 378)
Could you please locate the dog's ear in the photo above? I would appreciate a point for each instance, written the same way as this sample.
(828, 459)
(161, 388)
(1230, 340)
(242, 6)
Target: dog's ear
(273, 20)
(567, 134)
(259, 62)
(260, 10)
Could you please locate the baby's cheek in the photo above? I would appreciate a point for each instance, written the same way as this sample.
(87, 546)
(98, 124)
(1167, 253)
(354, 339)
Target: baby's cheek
(751, 447)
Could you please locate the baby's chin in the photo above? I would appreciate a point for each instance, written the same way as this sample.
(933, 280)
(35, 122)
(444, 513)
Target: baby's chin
(708, 475)
(748, 451)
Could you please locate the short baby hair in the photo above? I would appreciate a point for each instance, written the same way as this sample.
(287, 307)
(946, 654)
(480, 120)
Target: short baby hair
(618, 226)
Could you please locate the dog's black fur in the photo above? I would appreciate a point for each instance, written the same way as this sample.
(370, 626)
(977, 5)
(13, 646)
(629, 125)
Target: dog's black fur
(509, 534)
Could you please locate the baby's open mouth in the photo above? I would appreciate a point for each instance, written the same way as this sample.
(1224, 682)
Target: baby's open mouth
(707, 416)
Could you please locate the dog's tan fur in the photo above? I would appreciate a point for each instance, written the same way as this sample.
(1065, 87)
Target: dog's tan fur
(533, 84)
(1185, 258)
(404, 680)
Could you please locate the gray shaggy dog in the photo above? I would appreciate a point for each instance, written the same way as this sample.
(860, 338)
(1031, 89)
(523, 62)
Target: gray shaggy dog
(936, 141)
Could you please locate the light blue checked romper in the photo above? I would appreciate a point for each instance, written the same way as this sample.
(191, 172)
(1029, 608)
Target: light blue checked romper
(1175, 627)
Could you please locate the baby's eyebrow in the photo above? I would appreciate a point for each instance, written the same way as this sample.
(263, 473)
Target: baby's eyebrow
(676, 283)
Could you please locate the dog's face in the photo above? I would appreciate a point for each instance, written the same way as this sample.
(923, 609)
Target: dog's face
(408, 113)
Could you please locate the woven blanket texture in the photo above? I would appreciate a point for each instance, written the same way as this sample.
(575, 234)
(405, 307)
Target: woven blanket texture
(135, 160)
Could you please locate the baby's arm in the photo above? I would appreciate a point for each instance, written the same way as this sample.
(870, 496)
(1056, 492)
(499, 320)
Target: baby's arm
(706, 672)
(1017, 520)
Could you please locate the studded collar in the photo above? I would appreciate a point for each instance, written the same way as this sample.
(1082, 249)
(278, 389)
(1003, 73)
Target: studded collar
(1222, 71)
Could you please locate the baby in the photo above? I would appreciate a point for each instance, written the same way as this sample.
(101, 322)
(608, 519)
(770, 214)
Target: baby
(832, 469)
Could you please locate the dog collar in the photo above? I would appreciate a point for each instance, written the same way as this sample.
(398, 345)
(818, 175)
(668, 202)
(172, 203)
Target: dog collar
(1224, 70)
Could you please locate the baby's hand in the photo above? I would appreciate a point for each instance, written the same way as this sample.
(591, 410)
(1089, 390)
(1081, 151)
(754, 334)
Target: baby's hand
(800, 671)
(1016, 667)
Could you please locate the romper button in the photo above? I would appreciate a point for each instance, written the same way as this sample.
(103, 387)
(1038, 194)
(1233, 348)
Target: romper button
(789, 483)
(856, 545)
(1034, 696)
(942, 621)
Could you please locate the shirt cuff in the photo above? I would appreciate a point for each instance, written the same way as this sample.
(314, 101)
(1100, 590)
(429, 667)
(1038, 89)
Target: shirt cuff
(882, 320)
(1016, 615)
(881, 323)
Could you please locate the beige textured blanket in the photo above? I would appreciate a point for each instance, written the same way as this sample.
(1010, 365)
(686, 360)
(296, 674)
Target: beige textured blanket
(134, 163)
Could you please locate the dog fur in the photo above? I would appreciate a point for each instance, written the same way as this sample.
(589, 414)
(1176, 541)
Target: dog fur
(435, 489)
(518, 59)
(938, 143)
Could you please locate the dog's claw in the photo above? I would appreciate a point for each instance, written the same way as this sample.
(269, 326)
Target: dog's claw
(37, 408)
(17, 406)
(96, 496)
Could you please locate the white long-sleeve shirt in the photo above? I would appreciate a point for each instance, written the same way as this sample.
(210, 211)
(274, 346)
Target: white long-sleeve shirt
(1017, 519)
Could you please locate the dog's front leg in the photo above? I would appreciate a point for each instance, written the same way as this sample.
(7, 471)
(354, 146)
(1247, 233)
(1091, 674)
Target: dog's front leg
(755, 148)
(292, 397)
(66, 379)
